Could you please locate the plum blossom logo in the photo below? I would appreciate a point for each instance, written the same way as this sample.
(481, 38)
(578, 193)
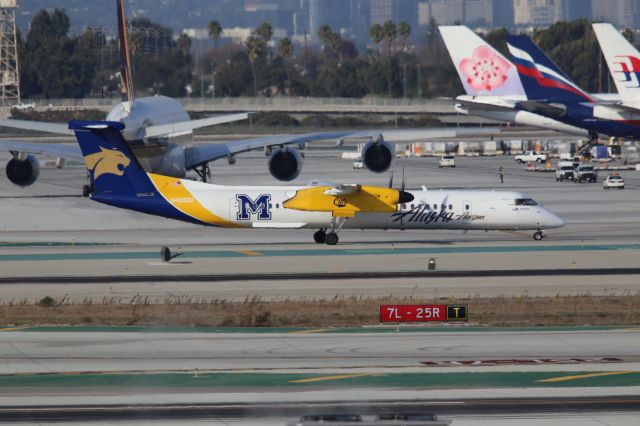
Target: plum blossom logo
(485, 70)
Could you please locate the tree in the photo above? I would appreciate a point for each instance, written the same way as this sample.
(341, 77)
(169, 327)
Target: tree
(285, 49)
(404, 30)
(390, 34)
(215, 32)
(255, 47)
(265, 32)
(376, 32)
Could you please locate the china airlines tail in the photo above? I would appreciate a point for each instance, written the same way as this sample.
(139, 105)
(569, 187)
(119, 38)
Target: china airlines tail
(623, 60)
(482, 69)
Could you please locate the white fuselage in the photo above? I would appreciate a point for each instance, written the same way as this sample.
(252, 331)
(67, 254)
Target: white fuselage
(262, 207)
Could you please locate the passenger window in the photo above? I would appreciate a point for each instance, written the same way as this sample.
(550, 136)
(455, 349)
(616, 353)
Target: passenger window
(450, 207)
(466, 207)
(444, 207)
(435, 207)
(277, 205)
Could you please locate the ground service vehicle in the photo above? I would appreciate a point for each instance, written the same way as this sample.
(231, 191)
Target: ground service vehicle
(565, 171)
(531, 156)
(586, 173)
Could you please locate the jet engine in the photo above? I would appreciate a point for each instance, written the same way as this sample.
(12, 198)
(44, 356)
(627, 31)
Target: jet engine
(285, 163)
(378, 155)
(23, 172)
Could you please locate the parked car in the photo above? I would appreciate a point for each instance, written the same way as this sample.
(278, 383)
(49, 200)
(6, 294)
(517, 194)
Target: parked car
(586, 173)
(447, 161)
(613, 181)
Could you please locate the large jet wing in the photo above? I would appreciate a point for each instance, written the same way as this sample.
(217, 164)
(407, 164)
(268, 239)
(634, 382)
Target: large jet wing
(149, 132)
(198, 155)
(69, 151)
(38, 126)
(185, 126)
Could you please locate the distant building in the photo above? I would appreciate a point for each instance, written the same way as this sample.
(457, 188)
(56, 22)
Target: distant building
(621, 13)
(503, 13)
(537, 13)
(475, 13)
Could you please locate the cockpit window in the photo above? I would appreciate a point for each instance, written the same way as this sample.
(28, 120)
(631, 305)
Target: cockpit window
(525, 202)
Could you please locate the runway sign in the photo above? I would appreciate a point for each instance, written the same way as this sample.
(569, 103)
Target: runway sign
(422, 313)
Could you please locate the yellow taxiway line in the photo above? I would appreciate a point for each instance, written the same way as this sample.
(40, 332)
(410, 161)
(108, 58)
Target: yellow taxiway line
(585, 376)
(327, 378)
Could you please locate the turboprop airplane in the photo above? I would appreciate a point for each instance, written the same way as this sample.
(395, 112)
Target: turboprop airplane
(119, 180)
(153, 126)
(552, 93)
(492, 82)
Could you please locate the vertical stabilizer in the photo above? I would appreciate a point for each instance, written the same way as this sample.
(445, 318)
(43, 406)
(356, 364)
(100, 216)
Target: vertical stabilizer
(482, 69)
(541, 78)
(623, 61)
(125, 61)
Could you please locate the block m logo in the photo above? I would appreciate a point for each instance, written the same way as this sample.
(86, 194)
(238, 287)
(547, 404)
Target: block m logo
(247, 207)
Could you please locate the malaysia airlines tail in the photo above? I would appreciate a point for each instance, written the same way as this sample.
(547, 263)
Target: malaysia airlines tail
(482, 69)
(541, 78)
(125, 61)
(623, 60)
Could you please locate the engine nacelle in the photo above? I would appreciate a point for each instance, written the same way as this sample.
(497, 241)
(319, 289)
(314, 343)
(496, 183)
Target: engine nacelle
(285, 163)
(378, 155)
(23, 172)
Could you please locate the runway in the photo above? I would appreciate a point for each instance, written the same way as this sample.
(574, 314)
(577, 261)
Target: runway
(54, 243)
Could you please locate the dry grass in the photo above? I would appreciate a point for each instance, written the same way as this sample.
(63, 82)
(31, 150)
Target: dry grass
(336, 312)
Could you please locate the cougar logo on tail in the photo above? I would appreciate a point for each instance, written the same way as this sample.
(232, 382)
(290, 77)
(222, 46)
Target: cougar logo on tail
(107, 161)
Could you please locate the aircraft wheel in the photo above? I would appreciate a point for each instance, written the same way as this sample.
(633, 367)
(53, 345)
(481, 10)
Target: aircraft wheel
(538, 236)
(86, 190)
(332, 239)
(320, 237)
(165, 254)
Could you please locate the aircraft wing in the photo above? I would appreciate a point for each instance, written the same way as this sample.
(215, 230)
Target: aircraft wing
(483, 105)
(168, 129)
(69, 151)
(201, 154)
(40, 126)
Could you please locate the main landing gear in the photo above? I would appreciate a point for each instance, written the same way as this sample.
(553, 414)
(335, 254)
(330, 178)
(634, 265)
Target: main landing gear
(330, 238)
(323, 237)
(538, 235)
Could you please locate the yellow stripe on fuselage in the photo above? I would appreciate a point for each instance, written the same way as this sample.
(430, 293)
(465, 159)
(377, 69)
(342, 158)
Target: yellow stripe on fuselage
(174, 191)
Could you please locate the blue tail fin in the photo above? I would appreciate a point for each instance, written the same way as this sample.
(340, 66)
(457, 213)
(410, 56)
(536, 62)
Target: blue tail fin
(541, 78)
(114, 169)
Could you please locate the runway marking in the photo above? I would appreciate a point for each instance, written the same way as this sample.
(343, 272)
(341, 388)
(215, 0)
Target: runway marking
(328, 378)
(319, 330)
(13, 328)
(584, 376)
(250, 253)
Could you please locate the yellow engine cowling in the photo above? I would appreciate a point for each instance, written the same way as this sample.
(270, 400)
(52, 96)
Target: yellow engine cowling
(366, 199)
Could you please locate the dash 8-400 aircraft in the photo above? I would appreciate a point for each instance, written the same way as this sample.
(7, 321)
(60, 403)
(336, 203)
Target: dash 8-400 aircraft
(120, 181)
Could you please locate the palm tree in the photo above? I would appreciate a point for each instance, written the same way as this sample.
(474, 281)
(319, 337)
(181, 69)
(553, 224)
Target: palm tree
(390, 34)
(265, 32)
(254, 48)
(285, 49)
(376, 32)
(215, 32)
(404, 30)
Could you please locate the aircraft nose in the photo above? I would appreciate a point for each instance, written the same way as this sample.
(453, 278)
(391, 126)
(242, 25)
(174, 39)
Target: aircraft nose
(552, 220)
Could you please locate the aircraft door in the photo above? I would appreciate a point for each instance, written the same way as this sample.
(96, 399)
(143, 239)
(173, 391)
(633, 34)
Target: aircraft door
(233, 209)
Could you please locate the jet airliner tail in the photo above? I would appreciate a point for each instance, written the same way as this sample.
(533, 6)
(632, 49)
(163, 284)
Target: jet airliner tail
(482, 69)
(623, 60)
(541, 78)
(125, 61)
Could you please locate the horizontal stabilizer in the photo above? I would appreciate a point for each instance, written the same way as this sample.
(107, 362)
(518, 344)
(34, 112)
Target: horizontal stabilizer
(38, 126)
(185, 126)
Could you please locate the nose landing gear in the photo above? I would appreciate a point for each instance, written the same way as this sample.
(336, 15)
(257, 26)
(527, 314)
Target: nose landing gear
(539, 235)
